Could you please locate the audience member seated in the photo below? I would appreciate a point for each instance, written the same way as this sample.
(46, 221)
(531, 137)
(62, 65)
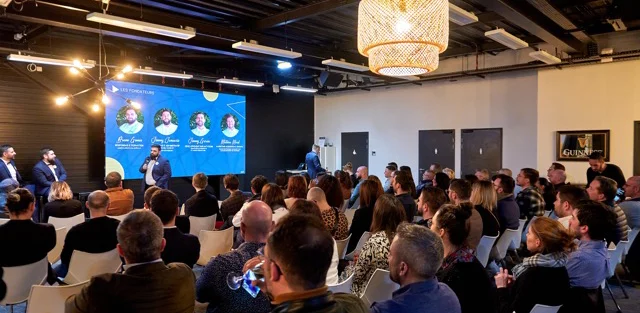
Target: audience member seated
(388, 213)
(597, 167)
(296, 259)
(361, 175)
(233, 203)
(402, 184)
(392, 167)
(23, 241)
(471, 179)
(442, 181)
(257, 183)
(508, 210)
(61, 203)
(412, 183)
(427, 181)
(631, 206)
(483, 174)
(296, 190)
(96, 235)
(147, 284)
(388, 172)
(460, 270)
(345, 184)
(567, 199)
(548, 193)
(203, 203)
(281, 181)
(430, 200)
(121, 199)
(557, 178)
(451, 173)
(6, 186)
(335, 221)
(541, 278)
(459, 193)
(370, 191)
(182, 222)
(415, 255)
(484, 200)
(180, 247)
(530, 201)
(211, 286)
(3, 286)
(272, 195)
(603, 189)
(332, 190)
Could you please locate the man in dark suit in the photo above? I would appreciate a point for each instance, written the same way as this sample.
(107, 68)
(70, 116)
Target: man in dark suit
(156, 169)
(203, 203)
(8, 165)
(96, 235)
(180, 247)
(182, 221)
(147, 284)
(47, 171)
(313, 162)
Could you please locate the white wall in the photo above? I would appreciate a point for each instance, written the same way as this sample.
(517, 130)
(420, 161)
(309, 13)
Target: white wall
(605, 96)
(394, 116)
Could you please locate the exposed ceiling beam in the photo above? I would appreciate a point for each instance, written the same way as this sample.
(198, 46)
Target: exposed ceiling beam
(525, 16)
(304, 12)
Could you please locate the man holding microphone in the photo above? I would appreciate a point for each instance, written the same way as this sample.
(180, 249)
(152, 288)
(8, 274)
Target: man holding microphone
(156, 169)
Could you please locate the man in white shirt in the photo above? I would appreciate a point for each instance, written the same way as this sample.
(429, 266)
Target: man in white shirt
(200, 129)
(8, 165)
(231, 130)
(167, 127)
(132, 126)
(567, 199)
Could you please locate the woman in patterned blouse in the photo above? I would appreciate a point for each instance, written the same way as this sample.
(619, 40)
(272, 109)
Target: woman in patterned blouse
(388, 213)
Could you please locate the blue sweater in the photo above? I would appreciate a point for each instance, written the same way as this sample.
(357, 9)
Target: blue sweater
(425, 297)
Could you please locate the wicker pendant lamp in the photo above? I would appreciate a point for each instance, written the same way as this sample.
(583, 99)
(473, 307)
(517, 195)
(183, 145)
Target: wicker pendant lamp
(403, 37)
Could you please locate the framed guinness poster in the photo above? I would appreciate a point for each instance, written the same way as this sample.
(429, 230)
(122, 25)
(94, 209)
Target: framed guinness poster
(577, 145)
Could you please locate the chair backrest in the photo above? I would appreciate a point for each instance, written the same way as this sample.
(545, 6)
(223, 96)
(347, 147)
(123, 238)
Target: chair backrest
(484, 249)
(379, 288)
(19, 280)
(633, 234)
(202, 223)
(344, 206)
(356, 205)
(363, 239)
(3, 220)
(85, 265)
(349, 214)
(342, 246)
(54, 255)
(343, 287)
(499, 251)
(67, 222)
(541, 308)
(615, 256)
(516, 243)
(213, 243)
(51, 299)
(120, 217)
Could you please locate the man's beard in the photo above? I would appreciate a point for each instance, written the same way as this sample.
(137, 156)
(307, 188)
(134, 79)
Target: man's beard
(167, 122)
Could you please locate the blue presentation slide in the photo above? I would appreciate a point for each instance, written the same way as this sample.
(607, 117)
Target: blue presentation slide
(199, 131)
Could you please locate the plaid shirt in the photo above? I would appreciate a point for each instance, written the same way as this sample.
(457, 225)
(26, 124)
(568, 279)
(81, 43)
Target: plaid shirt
(531, 203)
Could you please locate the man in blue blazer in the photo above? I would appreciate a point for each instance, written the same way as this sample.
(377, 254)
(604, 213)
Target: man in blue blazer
(47, 171)
(313, 162)
(8, 165)
(156, 169)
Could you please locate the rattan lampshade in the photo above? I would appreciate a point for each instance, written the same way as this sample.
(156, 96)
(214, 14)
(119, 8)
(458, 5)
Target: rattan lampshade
(403, 37)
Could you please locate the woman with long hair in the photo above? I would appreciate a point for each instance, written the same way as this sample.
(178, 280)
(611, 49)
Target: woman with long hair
(332, 190)
(272, 195)
(296, 189)
(345, 183)
(61, 203)
(370, 191)
(485, 200)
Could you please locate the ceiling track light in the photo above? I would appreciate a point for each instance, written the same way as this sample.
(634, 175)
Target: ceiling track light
(151, 72)
(299, 89)
(545, 57)
(460, 16)
(180, 33)
(236, 81)
(502, 36)
(49, 61)
(345, 65)
(254, 47)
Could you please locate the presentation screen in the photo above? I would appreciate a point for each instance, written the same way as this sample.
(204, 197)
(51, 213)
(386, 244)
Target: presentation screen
(199, 131)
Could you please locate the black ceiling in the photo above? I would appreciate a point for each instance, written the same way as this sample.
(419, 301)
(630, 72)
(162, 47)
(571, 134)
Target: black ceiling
(317, 29)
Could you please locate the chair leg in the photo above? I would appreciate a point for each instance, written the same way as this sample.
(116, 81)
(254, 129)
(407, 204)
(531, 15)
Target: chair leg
(626, 296)
(612, 297)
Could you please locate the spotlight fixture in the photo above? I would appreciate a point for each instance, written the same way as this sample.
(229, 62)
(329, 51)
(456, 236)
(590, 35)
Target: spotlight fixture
(74, 70)
(545, 57)
(186, 33)
(95, 107)
(127, 69)
(284, 65)
(346, 65)
(119, 76)
(48, 61)
(299, 89)
(236, 81)
(502, 36)
(151, 72)
(254, 47)
(105, 99)
(62, 100)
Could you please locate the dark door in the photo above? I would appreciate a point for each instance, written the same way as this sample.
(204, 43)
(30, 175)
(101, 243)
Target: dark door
(355, 149)
(481, 149)
(636, 148)
(436, 146)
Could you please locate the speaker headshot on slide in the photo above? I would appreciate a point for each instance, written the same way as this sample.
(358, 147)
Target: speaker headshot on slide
(229, 125)
(199, 123)
(166, 121)
(129, 120)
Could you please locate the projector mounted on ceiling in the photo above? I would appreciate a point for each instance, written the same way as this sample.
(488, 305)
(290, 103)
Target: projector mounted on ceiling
(461, 16)
(502, 36)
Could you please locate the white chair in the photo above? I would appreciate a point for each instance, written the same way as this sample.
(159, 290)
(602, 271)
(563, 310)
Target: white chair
(67, 222)
(182, 209)
(51, 299)
(54, 255)
(120, 217)
(379, 288)
(213, 243)
(499, 251)
(219, 203)
(343, 287)
(3, 220)
(345, 204)
(202, 223)
(361, 242)
(484, 249)
(541, 308)
(516, 243)
(342, 247)
(85, 265)
(349, 213)
(615, 258)
(356, 205)
(19, 280)
(633, 234)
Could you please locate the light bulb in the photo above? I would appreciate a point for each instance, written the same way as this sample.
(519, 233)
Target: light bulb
(127, 69)
(74, 71)
(283, 65)
(120, 76)
(62, 100)
(402, 26)
(95, 107)
(77, 63)
(135, 105)
(105, 99)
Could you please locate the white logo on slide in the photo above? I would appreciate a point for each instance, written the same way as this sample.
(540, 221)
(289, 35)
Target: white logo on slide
(114, 89)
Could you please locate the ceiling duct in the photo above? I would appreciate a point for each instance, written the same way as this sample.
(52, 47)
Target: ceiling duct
(552, 13)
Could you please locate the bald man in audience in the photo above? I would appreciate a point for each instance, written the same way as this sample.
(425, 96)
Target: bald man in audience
(96, 235)
(557, 178)
(361, 174)
(147, 284)
(212, 287)
(631, 206)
